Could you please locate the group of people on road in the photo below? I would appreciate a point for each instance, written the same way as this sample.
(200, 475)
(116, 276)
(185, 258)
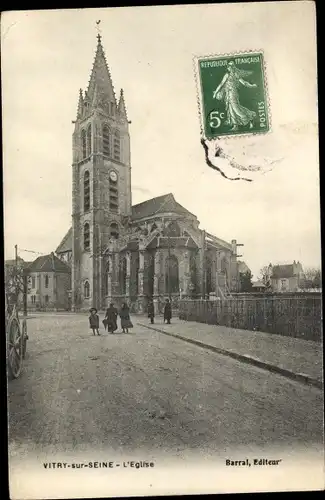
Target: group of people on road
(110, 320)
(167, 312)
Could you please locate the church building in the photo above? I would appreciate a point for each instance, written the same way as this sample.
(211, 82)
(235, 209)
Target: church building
(122, 252)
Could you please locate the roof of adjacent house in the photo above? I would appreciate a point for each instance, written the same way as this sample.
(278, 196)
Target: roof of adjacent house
(242, 266)
(66, 243)
(258, 284)
(161, 204)
(49, 263)
(283, 271)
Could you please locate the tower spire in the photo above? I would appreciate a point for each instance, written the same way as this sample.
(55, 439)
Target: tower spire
(100, 77)
(80, 104)
(121, 106)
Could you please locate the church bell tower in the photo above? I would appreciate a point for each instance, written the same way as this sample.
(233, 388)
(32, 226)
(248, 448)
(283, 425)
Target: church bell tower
(101, 180)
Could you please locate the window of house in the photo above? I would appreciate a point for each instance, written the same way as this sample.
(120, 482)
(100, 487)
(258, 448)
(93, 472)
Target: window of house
(46, 281)
(89, 140)
(46, 299)
(86, 237)
(113, 192)
(106, 140)
(86, 191)
(114, 231)
(86, 290)
(84, 144)
(33, 281)
(33, 297)
(283, 284)
(112, 108)
(117, 145)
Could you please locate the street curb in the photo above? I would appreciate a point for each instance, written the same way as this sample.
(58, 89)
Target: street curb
(298, 377)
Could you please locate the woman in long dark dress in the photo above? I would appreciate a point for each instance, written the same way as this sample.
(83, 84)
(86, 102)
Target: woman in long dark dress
(167, 312)
(110, 321)
(125, 318)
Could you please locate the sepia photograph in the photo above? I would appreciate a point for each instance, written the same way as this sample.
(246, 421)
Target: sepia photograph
(161, 191)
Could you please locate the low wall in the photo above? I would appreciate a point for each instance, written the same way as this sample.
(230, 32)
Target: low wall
(294, 316)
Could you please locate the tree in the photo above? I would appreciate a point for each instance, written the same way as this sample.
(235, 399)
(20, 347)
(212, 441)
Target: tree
(265, 276)
(245, 280)
(312, 279)
(14, 281)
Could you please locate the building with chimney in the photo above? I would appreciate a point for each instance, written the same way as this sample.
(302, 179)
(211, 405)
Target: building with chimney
(123, 252)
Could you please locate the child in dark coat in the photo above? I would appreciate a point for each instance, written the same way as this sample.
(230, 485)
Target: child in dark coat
(151, 312)
(94, 321)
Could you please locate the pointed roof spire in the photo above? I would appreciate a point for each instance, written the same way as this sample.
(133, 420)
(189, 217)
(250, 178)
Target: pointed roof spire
(100, 76)
(121, 106)
(80, 104)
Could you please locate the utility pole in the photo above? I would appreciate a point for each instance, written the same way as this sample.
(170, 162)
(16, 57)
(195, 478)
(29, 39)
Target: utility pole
(204, 274)
(168, 269)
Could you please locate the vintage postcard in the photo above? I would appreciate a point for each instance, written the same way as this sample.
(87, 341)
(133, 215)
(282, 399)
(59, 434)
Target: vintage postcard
(162, 250)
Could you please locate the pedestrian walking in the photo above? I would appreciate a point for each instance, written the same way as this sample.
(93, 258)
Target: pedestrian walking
(94, 321)
(125, 318)
(167, 312)
(110, 320)
(151, 312)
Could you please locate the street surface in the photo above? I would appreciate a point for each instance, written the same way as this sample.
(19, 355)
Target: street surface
(147, 391)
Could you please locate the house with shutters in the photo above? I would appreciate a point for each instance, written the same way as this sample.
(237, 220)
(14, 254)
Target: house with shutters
(287, 277)
(124, 252)
(49, 284)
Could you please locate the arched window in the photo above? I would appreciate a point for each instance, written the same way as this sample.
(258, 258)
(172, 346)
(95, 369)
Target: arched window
(208, 277)
(86, 237)
(193, 270)
(86, 191)
(171, 275)
(46, 281)
(114, 232)
(84, 144)
(86, 290)
(122, 275)
(107, 278)
(151, 274)
(89, 140)
(113, 192)
(106, 140)
(224, 265)
(117, 145)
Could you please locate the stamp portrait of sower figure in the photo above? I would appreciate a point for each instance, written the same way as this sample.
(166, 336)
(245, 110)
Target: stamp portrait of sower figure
(228, 91)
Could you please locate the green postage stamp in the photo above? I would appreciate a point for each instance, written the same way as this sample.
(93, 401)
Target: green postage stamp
(233, 95)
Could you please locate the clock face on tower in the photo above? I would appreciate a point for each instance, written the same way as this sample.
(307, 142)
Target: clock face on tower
(113, 176)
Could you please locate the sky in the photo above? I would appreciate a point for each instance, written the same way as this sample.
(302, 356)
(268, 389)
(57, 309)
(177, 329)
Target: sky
(48, 55)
